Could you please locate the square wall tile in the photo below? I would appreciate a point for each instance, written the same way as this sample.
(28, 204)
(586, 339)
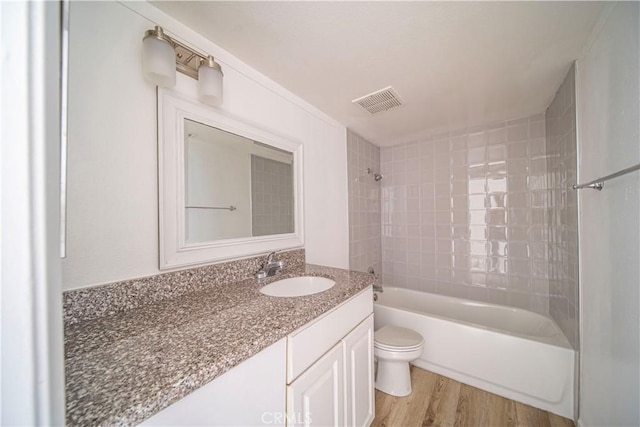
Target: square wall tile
(365, 218)
(471, 213)
(560, 215)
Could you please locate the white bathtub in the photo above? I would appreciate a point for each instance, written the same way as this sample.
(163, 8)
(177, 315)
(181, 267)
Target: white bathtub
(515, 353)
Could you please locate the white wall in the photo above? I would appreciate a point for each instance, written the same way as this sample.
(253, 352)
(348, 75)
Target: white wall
(608, 140)
(31, 337)
(113, 191)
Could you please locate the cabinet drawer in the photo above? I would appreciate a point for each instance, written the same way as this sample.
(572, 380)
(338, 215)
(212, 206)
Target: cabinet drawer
(309, 343)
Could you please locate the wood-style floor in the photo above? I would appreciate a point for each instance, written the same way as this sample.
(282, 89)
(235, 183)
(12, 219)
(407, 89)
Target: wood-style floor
(441, 401)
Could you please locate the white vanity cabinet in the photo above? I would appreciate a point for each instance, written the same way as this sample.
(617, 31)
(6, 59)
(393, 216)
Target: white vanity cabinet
(330, 368)
(250, 394)
(319, 375)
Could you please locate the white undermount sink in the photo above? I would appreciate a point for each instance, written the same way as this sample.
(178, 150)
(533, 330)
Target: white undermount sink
(297, 286)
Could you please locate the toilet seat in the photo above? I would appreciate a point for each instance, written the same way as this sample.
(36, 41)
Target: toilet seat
(395, 338)
(397, 348)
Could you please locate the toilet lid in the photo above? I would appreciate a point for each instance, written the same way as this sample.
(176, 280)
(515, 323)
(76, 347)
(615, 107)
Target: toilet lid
(397, 337)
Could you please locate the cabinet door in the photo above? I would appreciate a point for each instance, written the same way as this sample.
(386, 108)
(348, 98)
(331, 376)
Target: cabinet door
(317, 397)
(358, 349)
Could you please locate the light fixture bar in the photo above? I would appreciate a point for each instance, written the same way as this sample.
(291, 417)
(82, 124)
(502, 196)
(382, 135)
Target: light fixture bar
(187, 60)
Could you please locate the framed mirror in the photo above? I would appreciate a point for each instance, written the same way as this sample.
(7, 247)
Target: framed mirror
(227, 188)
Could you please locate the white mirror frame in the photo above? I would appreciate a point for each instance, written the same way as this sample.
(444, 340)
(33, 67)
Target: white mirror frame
(173, 109)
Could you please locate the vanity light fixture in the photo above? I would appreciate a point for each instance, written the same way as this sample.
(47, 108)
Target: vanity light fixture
(210, 82)
(163, 55)
(158, 57)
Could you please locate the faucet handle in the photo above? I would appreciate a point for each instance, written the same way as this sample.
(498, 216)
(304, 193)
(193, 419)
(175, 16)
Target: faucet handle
(270, 257)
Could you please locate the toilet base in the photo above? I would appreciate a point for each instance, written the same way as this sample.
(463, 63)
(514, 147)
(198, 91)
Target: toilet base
(393, 377)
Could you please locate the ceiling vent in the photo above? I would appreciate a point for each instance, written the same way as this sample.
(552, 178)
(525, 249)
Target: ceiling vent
(379, 101)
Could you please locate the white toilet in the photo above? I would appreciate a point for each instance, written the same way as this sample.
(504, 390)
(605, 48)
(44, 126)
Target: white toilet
(394, 347)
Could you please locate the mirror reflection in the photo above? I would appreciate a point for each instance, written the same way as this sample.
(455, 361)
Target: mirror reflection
(235, 187)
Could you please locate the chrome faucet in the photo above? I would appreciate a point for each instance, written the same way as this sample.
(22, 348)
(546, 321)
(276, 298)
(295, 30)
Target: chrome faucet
(377, 286)
(269, 266)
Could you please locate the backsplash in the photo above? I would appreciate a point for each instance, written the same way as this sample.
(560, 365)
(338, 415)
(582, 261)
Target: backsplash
(364, 205)
(463, 214)
(103, 300)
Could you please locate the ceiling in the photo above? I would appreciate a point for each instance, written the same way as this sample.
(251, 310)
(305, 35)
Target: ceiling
(454, 64)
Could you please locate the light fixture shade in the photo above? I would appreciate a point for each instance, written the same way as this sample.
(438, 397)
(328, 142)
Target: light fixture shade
(158, 59)
(210, 82)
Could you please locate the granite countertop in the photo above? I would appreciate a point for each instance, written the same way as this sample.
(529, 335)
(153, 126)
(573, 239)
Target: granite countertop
(123, 368)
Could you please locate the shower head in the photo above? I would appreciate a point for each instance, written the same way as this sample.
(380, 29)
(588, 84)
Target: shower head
(375, 174)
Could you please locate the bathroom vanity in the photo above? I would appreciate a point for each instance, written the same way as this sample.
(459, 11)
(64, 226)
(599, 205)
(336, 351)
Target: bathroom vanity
(204, 346)
(228, 355)
(330, 367)
(327, 366)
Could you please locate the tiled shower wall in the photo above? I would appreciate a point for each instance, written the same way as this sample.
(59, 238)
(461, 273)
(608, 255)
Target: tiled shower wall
(464, 214)
(562, 217)
(364, 204)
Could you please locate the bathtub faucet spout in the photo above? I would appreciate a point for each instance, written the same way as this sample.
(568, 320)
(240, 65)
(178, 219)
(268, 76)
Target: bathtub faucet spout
(377, 287)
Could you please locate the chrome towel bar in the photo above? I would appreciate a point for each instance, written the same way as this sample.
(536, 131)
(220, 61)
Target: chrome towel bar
(228, 208)
(598, 184)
